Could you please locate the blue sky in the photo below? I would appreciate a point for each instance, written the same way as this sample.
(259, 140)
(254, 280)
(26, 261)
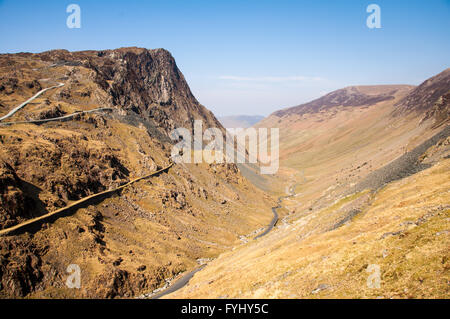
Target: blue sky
(246, 56)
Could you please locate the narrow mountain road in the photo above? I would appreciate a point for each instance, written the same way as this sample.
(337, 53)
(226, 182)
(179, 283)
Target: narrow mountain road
(274, 219)
(180, 283)
(18, 108)
(274, 211)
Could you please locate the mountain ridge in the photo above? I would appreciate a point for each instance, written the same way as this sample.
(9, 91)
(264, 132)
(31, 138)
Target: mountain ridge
(372, 193)
(348, 96)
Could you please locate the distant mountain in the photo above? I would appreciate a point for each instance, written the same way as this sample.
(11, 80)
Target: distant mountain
(240, 121)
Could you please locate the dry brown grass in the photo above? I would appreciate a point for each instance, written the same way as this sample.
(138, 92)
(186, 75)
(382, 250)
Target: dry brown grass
(292, 262)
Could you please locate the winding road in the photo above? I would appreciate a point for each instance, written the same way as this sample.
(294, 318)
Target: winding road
(18, 108)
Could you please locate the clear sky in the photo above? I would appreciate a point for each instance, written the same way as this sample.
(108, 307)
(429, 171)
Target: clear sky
(250, 56)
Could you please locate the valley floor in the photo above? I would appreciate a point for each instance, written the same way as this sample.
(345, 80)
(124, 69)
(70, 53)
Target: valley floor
(363, 192)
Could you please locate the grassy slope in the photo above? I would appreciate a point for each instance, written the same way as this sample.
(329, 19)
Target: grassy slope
(405, 230)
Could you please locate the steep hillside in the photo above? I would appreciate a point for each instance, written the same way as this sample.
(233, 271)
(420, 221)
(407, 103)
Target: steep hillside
(423, 97)
(347, 97)
(109, 114)
(431, 99)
